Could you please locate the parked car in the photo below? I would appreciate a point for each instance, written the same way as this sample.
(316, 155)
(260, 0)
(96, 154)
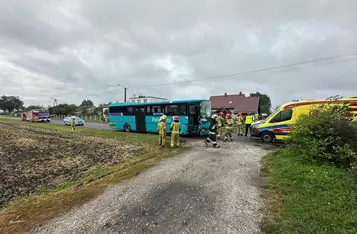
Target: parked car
(79, 121)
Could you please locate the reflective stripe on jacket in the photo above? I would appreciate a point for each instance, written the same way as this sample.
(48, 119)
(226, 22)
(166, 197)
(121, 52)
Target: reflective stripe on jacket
(240, 120)
(220, 121)
(175, 127)
(162, 127)
(229, 124)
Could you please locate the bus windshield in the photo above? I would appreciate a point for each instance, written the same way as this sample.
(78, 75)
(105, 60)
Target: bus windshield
(205, 109)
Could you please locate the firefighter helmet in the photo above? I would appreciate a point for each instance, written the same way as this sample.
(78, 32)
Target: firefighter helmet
(176, 118)
(229, 116)
(214, 116)
(221, 113)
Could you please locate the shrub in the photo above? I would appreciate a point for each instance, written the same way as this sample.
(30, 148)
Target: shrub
(327, 134)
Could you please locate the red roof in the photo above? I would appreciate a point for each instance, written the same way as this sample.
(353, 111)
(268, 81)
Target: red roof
(236, 102)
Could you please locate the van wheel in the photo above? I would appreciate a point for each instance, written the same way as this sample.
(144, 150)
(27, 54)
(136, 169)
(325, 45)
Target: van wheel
(267, 137)
(127, 128)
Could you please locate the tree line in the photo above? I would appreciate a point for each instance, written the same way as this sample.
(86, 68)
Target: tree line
(9, 104)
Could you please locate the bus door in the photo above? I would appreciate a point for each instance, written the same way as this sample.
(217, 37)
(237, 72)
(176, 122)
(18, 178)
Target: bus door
(193, 117)
(140, 118)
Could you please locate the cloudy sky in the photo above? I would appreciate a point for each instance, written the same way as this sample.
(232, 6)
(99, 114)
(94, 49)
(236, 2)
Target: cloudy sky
(79, 49)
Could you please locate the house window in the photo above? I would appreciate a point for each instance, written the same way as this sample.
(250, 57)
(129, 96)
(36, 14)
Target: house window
(145, 100)
(132, 100)
(139, 101)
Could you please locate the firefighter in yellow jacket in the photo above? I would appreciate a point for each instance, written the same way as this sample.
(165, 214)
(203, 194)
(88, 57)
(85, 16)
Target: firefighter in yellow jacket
(229, 128)
(240, 124)
(161, 128)
(220, 124)
(175, 132)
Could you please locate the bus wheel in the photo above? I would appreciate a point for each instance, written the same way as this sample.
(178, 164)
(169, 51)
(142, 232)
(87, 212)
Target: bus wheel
(127, 128)
(267, 137)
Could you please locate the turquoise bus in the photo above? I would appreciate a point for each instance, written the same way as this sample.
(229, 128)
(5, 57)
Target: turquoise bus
(193, 115)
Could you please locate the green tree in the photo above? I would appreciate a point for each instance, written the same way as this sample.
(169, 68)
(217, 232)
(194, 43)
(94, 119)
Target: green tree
(63, 109)
(265, 102)
(87, 103)
(11, 103)
(31, 107)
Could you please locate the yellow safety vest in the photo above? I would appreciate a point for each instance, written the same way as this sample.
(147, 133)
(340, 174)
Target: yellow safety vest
(249, 119)
(175, 127)
(162, 127)
(229, 124)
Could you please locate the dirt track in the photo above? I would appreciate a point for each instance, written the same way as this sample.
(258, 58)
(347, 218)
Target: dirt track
(204, 190)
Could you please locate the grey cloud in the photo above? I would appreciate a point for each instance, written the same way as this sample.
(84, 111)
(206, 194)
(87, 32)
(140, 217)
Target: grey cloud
(93, 45)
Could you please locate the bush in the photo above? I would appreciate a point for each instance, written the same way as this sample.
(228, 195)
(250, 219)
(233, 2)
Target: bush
(327, 134)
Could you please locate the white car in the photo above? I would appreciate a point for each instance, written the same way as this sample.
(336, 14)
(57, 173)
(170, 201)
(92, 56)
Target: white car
(79, 121)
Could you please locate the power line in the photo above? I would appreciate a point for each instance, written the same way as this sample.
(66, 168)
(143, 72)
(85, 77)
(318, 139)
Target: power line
(255, 71)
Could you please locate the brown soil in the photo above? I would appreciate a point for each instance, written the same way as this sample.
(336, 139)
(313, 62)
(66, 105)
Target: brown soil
(32, 158)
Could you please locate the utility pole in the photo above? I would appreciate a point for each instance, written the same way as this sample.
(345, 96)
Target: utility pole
(125, 89)
(54, 101)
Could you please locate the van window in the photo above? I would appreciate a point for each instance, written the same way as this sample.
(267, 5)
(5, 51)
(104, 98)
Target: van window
(284, 115)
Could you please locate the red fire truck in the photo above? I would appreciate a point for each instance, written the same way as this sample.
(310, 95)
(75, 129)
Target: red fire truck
(36, 116)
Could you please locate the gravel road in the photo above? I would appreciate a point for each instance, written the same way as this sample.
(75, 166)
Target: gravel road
(203, 190)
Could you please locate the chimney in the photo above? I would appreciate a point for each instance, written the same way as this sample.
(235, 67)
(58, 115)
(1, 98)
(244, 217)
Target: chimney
(225, 94)
(240, 93)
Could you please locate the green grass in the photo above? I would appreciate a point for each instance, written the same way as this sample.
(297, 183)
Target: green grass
(304, 197)
(28, 212)
(150, 138)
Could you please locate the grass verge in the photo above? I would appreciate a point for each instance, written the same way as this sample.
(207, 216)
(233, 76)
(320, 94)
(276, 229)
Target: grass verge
(304, 197)
(31, 211)
(149, 138)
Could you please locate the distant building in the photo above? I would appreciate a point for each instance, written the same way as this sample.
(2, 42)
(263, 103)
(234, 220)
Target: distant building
(235, 103)
(144, 99)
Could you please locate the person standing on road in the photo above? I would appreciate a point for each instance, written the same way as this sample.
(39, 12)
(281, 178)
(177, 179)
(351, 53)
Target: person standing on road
(248, 123)
(213, 128)
(229, 128)
(73, 124)
(240, 124)
(220, 123)
(175, 132)
(161, 128)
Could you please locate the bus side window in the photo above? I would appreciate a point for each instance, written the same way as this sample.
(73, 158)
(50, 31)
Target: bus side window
(172, 110)
(183, 109)
(148, 110)
(155, 110)
(128, 110)
(282, 116)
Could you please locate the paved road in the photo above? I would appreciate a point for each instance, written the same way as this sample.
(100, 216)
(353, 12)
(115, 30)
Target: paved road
(60, 122)
(203, 190)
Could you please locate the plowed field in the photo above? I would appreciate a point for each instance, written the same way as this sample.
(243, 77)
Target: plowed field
(33, 158)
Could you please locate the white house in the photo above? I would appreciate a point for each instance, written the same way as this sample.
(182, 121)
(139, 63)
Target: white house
(144, 99)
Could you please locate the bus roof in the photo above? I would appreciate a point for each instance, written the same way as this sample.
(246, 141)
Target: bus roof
(156, 103)
(291, 105)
